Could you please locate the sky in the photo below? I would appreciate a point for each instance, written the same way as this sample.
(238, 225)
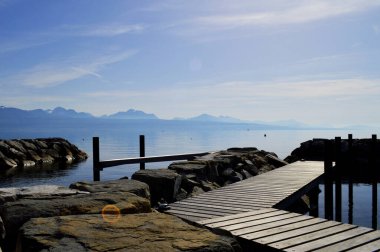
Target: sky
(315, 61)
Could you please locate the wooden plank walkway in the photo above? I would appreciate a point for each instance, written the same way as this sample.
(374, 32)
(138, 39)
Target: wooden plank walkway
(272, 230)
(278, 188)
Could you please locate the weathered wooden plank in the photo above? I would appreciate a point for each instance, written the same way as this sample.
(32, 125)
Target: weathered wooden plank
(277, 216)
(353, 242)
(173, 211)
(322, 238)
(283, 229)
(206, 210)
(232, 202)
(319, 224)
(229, 224)
(269, 224)
(238, 216)
(370, 246)
(196, 204)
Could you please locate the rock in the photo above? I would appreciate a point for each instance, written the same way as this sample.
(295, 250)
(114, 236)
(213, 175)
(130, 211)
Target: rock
(188, 183)
(15, 214)
(275, 161)
(135, 232)
(246, 174)
(181, 195)
(28, 163)
(190, 167)
(6, 163)
(122, 185)
(196, 191)
(16, 145)
(163, 183)
(228, 172)
(29, 152)
(209, 186)
(250, 167)
(14, 193)
(2, 230)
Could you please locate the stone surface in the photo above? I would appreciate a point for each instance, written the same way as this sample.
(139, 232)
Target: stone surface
(16, 213)
(163, 183)
(137, 232)
(190, 167)
(15, 193)
(121, 185)
(275, 161)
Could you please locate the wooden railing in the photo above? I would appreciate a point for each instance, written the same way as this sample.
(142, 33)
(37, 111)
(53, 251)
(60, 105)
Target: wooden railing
(333, 176)
(99, 165)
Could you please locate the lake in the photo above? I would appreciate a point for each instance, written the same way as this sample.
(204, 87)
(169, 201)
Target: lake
(120, 139)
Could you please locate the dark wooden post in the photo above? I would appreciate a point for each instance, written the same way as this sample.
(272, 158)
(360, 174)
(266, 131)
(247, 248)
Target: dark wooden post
(142, 151)
(328, 181)
(338, 179)
(374, 181)
(95, 158)
(350, 182)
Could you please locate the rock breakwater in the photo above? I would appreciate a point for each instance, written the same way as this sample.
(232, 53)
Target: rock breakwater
(32, 152)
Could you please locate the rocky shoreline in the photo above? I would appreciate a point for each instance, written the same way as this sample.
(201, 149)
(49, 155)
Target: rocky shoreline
(53, 217)
(34, 152)
(125, 214)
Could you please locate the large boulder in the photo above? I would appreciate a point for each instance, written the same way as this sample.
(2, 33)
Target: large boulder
(15, 193)
(14, 214)
(122, 185)
(136, 232)
(163, 183)
(198, 168)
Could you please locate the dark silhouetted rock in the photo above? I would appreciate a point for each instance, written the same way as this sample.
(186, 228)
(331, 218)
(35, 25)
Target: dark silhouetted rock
(275, 161)
(163, 183)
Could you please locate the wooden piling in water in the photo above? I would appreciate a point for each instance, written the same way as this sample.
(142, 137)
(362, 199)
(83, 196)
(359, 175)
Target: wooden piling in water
(142, 151)
(96, 159)
(338, 179)
(350, 182)
(328, 180)
(374, 180)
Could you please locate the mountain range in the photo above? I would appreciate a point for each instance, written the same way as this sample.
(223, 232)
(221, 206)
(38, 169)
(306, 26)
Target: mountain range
(7, 113)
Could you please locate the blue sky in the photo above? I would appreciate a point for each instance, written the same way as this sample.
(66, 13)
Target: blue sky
(314, 61)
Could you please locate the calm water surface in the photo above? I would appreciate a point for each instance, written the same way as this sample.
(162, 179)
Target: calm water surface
(119, 139)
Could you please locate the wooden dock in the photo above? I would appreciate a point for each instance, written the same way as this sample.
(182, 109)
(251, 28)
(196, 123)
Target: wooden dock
(278, 188)
(253, 211)
(277, 230)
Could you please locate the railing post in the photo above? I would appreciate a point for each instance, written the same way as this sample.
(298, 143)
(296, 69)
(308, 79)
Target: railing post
(350, 182)
(338, 179)
(142, 151)
(328, 181)
(95, 157)
(374, 180)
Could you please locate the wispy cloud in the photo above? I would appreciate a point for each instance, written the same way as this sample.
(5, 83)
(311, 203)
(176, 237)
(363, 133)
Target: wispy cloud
(295, 13)
(46, 75)
(303, 89)
(108, 30)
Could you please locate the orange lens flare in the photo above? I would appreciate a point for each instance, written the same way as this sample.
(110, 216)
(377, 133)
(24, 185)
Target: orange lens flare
(111, 213)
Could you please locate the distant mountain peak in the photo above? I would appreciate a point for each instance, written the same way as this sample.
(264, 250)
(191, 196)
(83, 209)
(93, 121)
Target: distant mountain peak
(132, 114)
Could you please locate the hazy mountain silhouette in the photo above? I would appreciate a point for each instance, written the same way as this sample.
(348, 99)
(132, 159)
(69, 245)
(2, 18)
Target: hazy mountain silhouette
(132, 114)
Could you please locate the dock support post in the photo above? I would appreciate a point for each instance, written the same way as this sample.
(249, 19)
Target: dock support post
(350, 182)
(328, 181)
(338, 179)
(95, 158)
(142, 151)
(374, 180)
